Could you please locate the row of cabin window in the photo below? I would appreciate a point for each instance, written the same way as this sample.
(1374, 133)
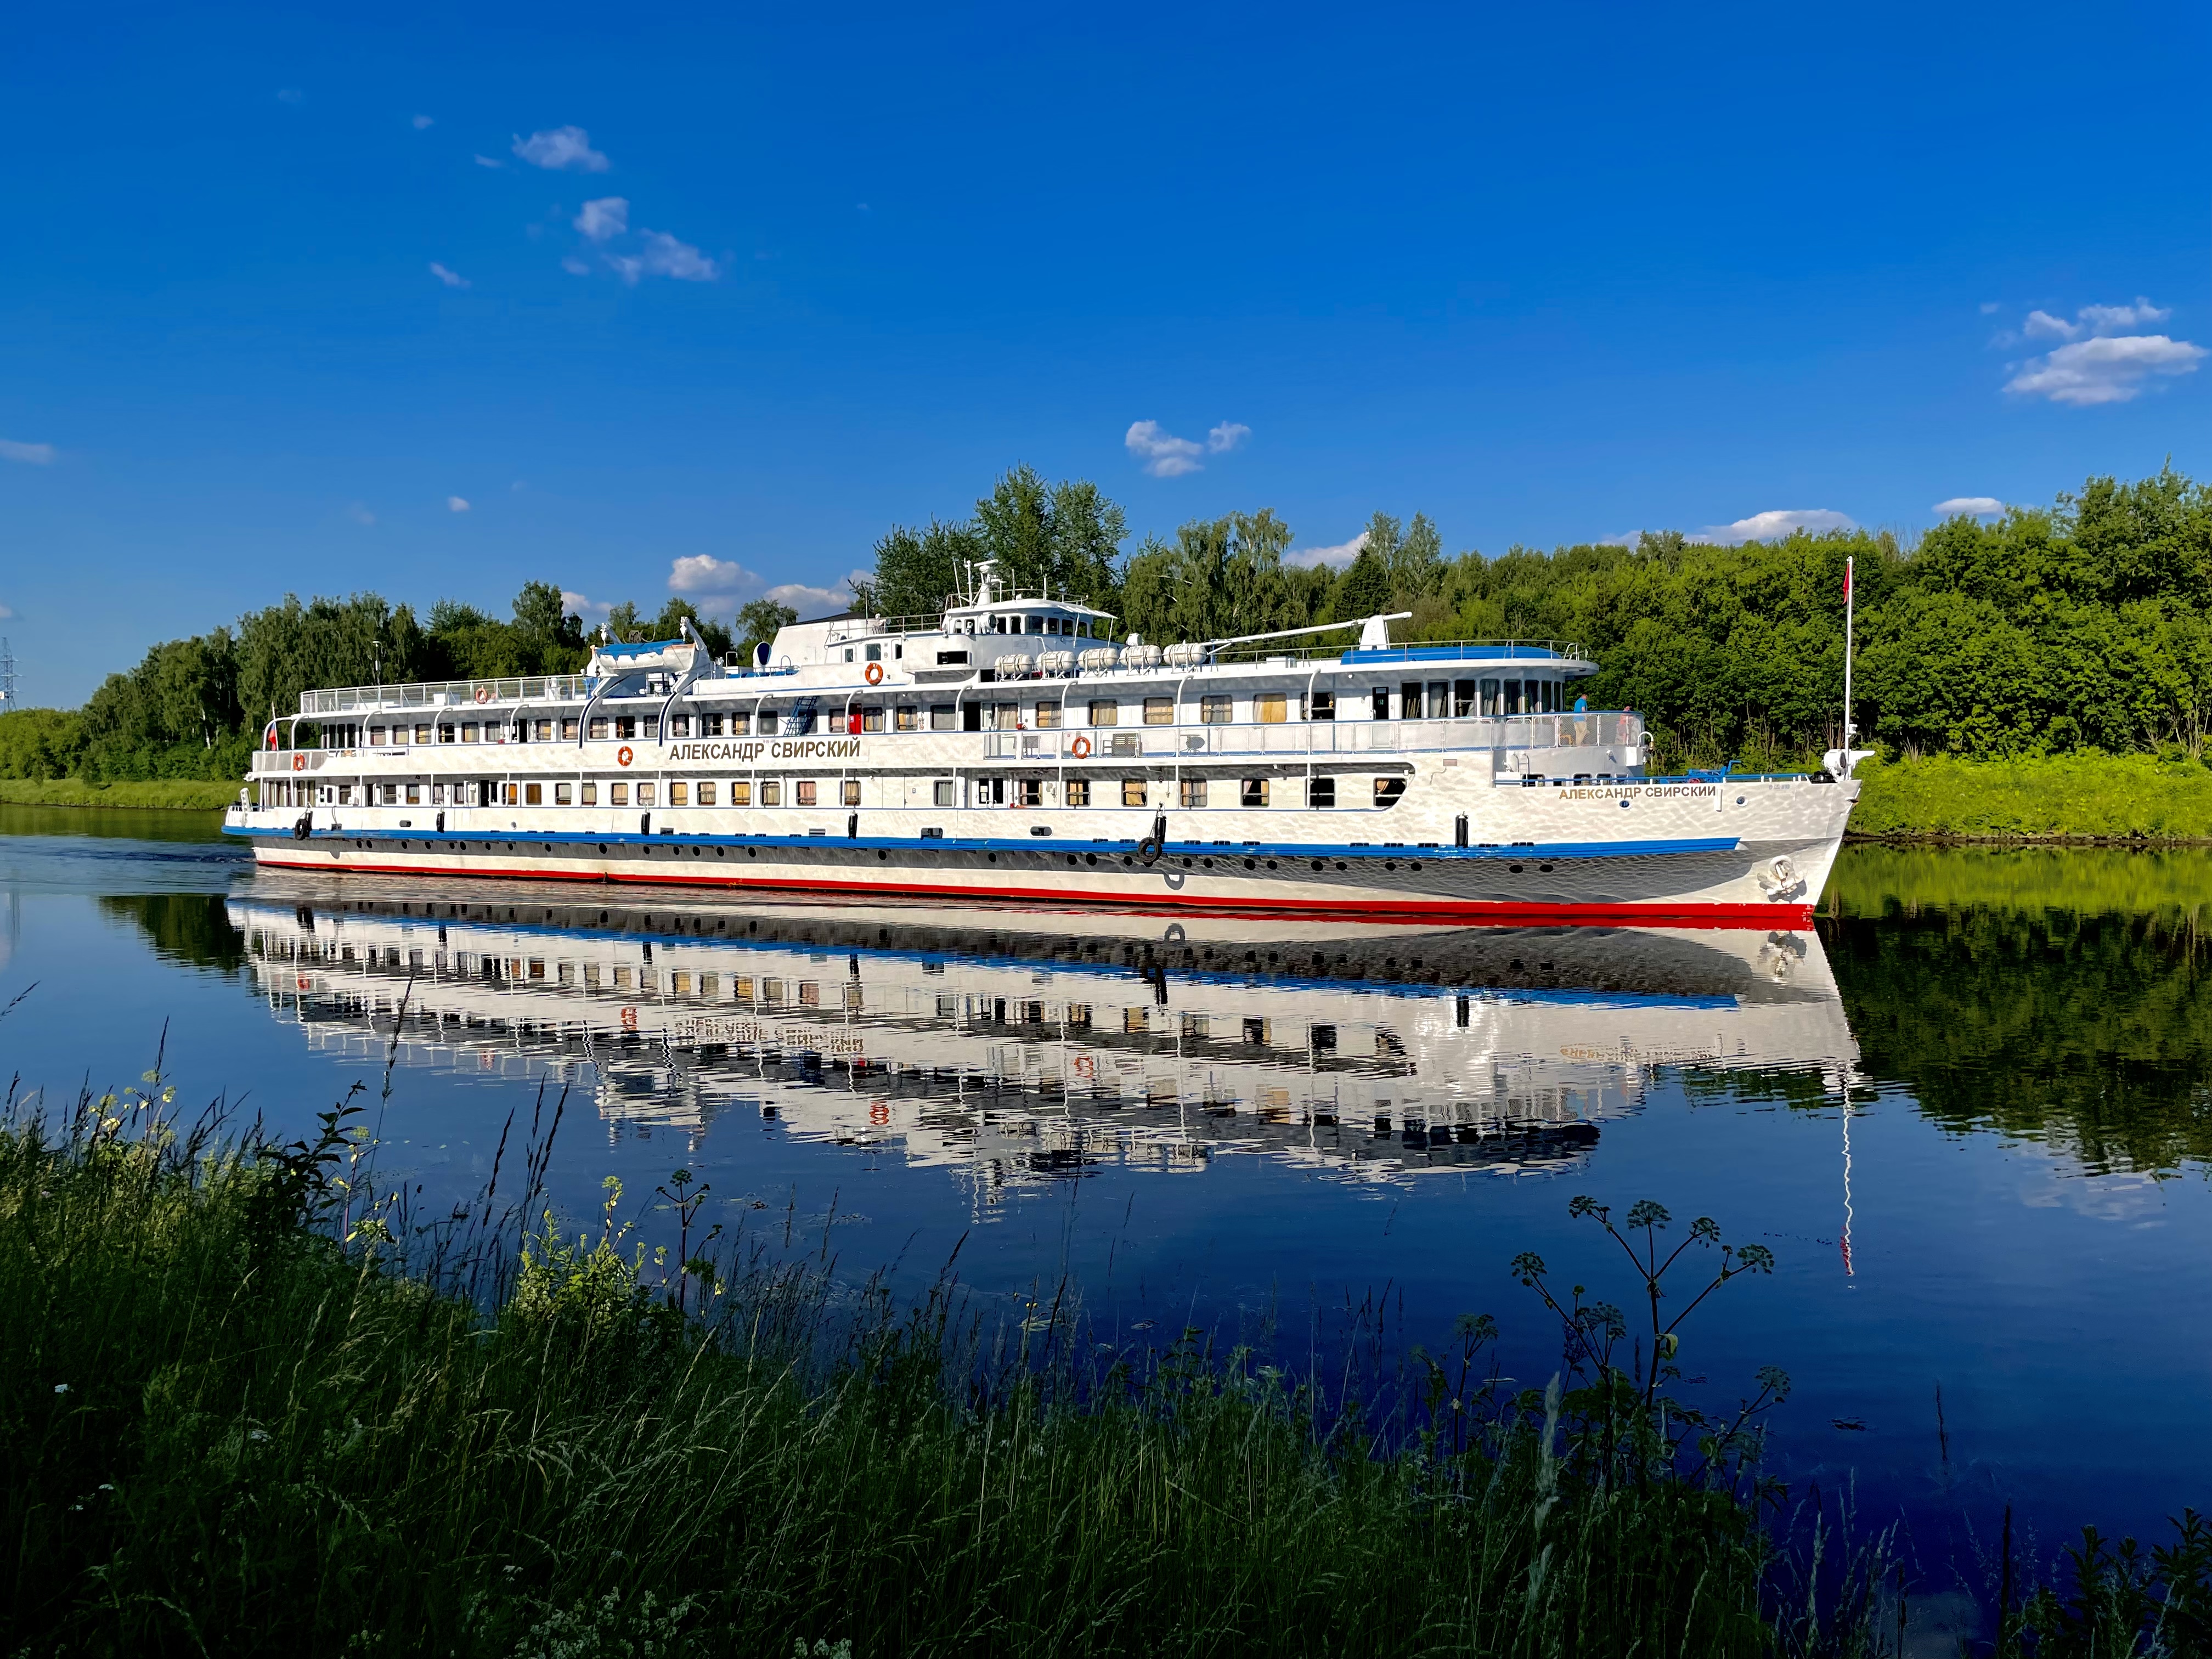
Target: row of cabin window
(1430, 699)
(1319, 792)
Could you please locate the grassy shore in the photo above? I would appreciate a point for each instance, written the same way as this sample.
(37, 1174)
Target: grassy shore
(236, 1424)
(159, 794)
(2053, 798)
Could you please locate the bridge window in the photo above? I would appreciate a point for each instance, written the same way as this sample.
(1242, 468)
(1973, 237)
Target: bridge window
(1216, 710)
(1036, 625)
(1389, 791)
(1272, 708)
(1321, 792)
(1254, 793)
(1190, 791)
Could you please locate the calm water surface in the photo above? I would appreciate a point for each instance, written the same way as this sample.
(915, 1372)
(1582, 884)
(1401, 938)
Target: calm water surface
(1968, 1113)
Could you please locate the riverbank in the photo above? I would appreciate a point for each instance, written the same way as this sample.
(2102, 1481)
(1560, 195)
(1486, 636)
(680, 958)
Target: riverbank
(231, 1429)
(2059, 797)
(153, 794)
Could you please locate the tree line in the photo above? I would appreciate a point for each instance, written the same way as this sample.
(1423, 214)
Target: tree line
(2082, 625)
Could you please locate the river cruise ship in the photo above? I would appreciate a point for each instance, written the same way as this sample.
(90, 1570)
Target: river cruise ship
(1012, 749)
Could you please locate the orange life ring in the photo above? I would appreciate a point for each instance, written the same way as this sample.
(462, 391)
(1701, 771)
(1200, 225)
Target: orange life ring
(629, 1019)
(298, 762)
(1080, 748)
(879, 1111)
(623, 756)
(875, 674)
(484, 693)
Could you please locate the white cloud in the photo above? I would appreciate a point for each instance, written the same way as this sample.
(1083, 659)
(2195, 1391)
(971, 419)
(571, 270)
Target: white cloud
(1991, 307)
(423, 121)
(1162, 453)
(456, 504)
(2108, 369)
(1776, 522)
(574, 266)
(359, 514)
(1334, 557)
(1226, 436)
(608, 216)
(561, 146)
(1979, 507)
(6, 615)
(702, 572)
(491, 162)
(2114, 320)
(577, 605)
(811, 602)
(29, 454)
(2042, 326)
(450, 278)
(665, 255)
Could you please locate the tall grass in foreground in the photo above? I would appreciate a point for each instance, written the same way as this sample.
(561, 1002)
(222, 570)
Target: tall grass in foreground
(234, 1423)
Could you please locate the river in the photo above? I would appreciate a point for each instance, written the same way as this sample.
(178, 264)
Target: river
(1968, 1112)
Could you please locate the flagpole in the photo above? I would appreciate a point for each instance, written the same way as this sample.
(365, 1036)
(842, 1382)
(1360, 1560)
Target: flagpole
(1848, 602)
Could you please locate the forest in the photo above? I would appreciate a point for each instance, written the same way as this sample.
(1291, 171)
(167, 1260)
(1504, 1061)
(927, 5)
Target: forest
(2078, 627)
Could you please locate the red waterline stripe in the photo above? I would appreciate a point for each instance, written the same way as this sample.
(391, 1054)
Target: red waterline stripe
(1787, 916)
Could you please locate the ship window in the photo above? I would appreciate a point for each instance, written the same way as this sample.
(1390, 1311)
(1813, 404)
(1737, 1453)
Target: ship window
(941, 792)
(1028, 791)
(875, 653)
(871, 719)
(591, 792)
(617, 794)
(1006, 717)
(908, 718)
(1048, 716)
(710, 725)
(652, 724)
(1439, 703)
(1082, 627)
(852, 791)
(1388, 791)
(1159, 711)
(564, 794)
(741, 792)
(768, 721)
(599, 729)
(1254, 793)
(1550, 697)
(546, 731)
(625, 725)
(1077, 792)
(803, 793)
(1381, 702)
(421, 734)
(1321, 792)
(940, 717)
(1105, 714)
(1133, 792)
(771, 792)
(679, 794)
(1272, 709)
(1322, 706)
(414, 794)
(645, 792)
(1036, 625)
(849, 654)
(1190, 792)
(438, 795)
(1488, 700)
(446, 732)
(1463, 703)
(514, 793)
(1216, 710)
(1409, 701)
(741, 721)
(679, 726)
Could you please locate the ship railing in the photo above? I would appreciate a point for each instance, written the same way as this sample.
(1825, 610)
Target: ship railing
(444, 694)
(1605, 729)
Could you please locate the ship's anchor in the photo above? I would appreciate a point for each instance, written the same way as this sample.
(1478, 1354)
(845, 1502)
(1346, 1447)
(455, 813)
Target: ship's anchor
(1780, 882)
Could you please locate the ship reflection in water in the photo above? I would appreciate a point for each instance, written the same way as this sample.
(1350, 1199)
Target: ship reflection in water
(1020, 1046)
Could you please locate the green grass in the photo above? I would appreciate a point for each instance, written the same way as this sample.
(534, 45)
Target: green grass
(227, 1431)
(2059, 797)
(164, 794)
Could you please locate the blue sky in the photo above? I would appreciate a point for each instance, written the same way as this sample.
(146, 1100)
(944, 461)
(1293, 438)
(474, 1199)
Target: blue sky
(712, 298)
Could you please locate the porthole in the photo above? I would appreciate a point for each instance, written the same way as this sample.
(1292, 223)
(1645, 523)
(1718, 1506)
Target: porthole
(883, 855)
(1738, 800)
(1415, 865)
(719, 851)
(1270, 864)
(752, 852)
(1249, 865)
(1091, 858)
(993, 857)
(1340, 864)
(1318, 864)
(1208, 863)
(1625, 805)
(1516, 868)
(1390, 864)
(1071, 860)
(1544, 868)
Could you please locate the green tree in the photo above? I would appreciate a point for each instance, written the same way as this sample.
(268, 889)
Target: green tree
(758, 623)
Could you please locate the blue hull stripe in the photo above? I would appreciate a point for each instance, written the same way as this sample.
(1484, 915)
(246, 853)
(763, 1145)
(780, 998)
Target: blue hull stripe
(567, 839)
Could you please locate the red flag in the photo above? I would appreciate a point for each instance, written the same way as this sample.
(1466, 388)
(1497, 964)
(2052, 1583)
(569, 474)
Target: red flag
(1847, 581)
